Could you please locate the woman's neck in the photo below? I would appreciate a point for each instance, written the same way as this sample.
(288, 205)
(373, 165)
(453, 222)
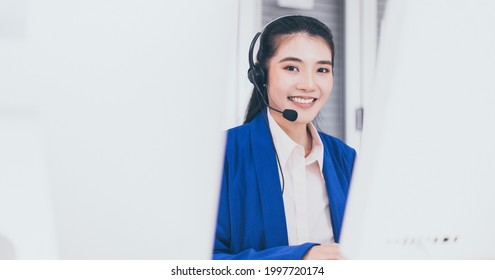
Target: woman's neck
(298, 132)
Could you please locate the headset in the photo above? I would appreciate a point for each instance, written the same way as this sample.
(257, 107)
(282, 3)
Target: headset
(258, 77)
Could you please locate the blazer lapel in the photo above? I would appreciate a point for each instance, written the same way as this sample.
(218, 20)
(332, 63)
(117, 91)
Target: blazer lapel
(336, 195)
(268, 183)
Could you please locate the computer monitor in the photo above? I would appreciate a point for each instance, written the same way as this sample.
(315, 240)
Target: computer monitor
(423, 185)
(112, 127)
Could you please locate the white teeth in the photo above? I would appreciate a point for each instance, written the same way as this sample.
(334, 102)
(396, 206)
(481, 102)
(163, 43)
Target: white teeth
(302, 100)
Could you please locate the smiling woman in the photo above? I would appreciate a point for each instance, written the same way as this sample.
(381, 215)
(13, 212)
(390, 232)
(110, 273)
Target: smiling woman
(301, 83)
(285, 184)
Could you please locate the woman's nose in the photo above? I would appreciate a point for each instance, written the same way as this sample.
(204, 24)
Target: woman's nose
(306, 82)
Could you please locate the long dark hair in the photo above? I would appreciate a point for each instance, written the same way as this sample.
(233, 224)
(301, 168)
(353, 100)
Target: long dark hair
(270, 41)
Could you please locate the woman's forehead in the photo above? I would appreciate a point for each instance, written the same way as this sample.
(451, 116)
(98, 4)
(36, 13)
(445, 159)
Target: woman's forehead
(303, 46)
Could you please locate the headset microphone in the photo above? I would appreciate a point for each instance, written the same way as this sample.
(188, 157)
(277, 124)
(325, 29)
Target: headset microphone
(257, 77)
(288, 114)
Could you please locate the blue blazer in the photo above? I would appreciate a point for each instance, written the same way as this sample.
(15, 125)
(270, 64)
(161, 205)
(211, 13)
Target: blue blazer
(251, 219)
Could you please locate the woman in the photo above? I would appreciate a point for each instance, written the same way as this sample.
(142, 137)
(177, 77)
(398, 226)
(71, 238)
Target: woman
(285, 184)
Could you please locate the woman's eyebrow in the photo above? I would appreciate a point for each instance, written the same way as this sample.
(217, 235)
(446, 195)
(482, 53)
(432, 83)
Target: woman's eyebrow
(290, 58)
(295, 59)
(325, 62)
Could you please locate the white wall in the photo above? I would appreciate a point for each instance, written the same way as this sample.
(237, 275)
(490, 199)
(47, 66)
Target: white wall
(249, 23)
(122, 106)
(360, 57)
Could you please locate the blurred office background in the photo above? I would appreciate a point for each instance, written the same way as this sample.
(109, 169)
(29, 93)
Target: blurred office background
(112, 116)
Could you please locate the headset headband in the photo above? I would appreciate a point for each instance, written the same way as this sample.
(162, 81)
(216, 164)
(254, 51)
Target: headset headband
(253, 42)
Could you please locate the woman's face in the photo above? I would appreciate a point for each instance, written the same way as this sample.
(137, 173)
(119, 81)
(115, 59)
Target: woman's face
(300, 76)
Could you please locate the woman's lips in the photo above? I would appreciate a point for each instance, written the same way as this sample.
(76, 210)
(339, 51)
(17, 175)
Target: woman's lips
(302, 102)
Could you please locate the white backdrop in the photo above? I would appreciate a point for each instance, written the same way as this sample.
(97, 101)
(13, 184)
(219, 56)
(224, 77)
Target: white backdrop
(111, 126)
(423, 182)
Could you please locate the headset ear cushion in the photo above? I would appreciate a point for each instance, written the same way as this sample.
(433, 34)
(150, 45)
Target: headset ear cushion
(259, 75)
(251, 75)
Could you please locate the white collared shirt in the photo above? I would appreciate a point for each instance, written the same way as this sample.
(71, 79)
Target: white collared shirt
(307, 209)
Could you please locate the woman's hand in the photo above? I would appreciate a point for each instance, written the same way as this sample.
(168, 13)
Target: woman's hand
(324, 252)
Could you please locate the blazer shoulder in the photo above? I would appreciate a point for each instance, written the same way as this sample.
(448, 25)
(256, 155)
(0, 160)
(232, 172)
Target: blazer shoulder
(241, 131)
(238, 138)
(336, 143)
(338, 150)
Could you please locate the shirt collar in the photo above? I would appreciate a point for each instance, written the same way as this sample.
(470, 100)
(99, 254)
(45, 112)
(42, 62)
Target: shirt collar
(317, 150)
(285, 145)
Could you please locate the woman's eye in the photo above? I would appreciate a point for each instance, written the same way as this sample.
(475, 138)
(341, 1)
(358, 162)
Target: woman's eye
(291, 68)
(323, 70)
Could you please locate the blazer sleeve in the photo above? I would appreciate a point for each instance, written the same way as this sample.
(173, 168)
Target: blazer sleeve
(224, 240)
(275, 253)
